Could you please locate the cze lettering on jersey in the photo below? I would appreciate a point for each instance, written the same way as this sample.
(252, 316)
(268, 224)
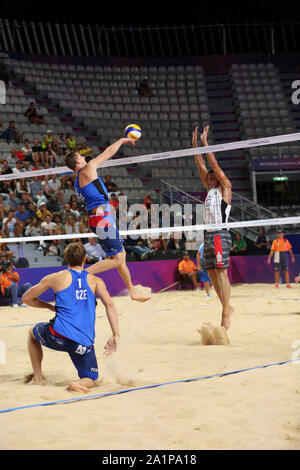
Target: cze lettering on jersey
(81, 294)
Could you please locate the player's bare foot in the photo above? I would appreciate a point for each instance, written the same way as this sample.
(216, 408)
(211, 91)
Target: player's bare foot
(226, 317)
(32, 380)
(77, 387)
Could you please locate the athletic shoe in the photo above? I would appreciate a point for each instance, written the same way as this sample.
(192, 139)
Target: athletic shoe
(15, 305)
(276, 286)
(288, 286)
(208, 296)
(23, 305)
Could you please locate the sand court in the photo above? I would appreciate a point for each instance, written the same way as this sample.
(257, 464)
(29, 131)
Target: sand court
(161, 344)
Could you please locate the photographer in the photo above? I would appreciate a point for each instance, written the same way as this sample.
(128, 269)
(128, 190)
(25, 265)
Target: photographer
(9, 281)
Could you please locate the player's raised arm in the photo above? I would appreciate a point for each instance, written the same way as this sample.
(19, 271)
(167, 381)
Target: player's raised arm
(108, 153)
(218, 172)
(200, 160)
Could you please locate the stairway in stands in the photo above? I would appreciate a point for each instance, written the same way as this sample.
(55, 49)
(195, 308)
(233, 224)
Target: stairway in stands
(225, 128)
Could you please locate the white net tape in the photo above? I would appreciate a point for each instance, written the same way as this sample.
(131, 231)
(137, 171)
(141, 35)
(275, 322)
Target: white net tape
(277, 139)
(164, 230)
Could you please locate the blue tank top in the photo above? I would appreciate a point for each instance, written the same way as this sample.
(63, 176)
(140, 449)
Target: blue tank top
(76, 310)
(94, 194)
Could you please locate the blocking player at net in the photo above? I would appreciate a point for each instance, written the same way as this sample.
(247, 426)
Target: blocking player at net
(217, 207)
(101, 219)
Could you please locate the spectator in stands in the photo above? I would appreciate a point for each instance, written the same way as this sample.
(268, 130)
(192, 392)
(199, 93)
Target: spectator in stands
(48, 226)
(9, 224)
(65, 212)
(94, 251)
(50, 156)
(157, 244)
(33, 116)
(6, 187)
(37, 152)
(22, 186)
(69, 190)
(71, 226)
(70, 141)
(27, 151)
(5, 253)
(110, 186)
(46, 187)
(86, 151)
(61, 145)
(43, 212)
(187, 271)
(239, 245)
(145, 89)
(11, 134)
(79, 206)
(48, 138)
(172, 244)
(75, 210)
(10, 284)
(5, 170)
(22, 215)
(262, 242)
(18, 168)
(280, 249)
(33, 229)
(26, 199)
(31, 210)
(54, 185)
(13, 202)
(53, 205)
(113, 201)
(35, 186)
(138, 246)
(84, 226)
(57, 221)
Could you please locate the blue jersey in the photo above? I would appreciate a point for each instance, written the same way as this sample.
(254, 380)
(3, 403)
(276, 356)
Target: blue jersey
(94, 194)
(76, 310)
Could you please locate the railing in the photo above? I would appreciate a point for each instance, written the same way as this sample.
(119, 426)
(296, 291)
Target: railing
(148, 41)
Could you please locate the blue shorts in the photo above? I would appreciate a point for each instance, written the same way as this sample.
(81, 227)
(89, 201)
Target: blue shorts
(104, 227)
(204, 276)
(83, 357)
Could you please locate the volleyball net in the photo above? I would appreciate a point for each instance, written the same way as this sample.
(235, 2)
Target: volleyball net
(269, 164)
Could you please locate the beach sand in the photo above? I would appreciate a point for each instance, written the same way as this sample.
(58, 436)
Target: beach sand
(254, 409)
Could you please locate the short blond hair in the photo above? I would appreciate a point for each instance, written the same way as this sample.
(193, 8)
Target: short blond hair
(74, 254)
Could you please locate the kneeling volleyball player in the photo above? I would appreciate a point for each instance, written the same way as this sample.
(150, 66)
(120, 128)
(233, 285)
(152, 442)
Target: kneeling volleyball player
(72, 330)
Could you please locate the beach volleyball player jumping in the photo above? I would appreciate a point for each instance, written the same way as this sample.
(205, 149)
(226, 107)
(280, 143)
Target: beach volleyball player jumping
(217, 243)
(101, 219)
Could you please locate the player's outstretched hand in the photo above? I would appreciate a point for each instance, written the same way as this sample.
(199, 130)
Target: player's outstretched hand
(204, 135)
(128, 141)
(195, 139)
(111, 345)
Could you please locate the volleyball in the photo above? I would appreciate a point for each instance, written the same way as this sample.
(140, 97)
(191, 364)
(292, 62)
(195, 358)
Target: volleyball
(133, 132)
